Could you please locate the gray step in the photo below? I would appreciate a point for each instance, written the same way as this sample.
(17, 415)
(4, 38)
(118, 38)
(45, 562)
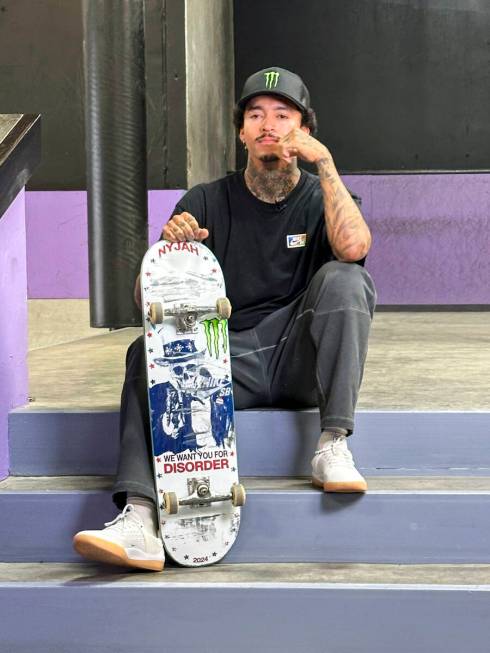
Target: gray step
(243, 608)
(400, 520)
(270, 442)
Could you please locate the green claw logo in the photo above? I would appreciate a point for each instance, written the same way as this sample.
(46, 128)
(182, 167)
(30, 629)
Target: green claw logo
(271, 79)
(213, 328)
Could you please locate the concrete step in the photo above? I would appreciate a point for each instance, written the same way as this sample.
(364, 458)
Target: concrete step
(55, 442)
(400, 520)
(265, 608)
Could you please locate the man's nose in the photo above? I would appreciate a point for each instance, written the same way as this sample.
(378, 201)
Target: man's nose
(267, 124)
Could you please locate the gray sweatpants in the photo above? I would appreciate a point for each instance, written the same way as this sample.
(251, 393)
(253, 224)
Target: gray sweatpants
(309, 353)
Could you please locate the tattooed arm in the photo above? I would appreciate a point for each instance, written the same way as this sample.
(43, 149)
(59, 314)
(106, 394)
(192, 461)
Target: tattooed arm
(347, 232)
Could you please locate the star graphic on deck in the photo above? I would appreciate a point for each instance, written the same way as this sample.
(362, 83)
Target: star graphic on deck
(174, 549)
(152, 260)
(162, 507)
(159, 475)
(150, 351)
(161, 491)
(214, 270)
(159, 460)
(186, 557)
(232, 453)
(149, 334)
(147, 303)
(215, 554)
(225, 360)
(167, 537)
(148, 274)
(227, 543)
(146, 289)
(233, 469)
(153, 382)
(206, 258)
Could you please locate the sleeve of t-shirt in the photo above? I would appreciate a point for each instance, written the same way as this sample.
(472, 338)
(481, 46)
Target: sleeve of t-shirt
(193, 202)
(356, 198)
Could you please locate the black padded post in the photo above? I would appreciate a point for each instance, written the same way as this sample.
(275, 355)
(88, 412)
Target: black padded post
(116, 156)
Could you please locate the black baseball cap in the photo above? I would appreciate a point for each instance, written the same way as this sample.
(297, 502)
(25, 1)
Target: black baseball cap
(276, 81)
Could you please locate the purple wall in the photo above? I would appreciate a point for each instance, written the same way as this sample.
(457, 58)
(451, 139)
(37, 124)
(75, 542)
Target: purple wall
(431, 240)
(57, 256)
(430, 237)
(13, 318)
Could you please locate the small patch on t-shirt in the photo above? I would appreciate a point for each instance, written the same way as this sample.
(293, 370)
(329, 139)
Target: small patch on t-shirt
(296, 240)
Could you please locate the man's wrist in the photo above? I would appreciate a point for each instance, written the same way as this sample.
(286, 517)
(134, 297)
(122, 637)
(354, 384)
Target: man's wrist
(326, 166)
(325, 160)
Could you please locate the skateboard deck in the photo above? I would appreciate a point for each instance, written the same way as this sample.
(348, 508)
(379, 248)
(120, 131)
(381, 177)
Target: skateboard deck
(190, 395)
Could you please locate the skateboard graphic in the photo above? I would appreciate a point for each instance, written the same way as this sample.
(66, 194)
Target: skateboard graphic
(185, 315)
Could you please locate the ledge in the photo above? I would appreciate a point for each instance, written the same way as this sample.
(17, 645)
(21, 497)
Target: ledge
(20, 154)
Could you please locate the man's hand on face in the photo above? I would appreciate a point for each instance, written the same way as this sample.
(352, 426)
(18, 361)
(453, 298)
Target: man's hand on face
(183, 226)
(300, 144)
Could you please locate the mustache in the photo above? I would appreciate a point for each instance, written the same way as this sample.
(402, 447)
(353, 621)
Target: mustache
(261, 138)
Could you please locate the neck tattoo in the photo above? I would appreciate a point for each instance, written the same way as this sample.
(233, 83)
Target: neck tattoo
(271, 185)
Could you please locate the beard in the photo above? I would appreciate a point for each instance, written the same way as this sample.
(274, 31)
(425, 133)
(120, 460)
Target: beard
(269, 158)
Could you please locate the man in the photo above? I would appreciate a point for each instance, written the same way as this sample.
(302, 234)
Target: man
(291, 245)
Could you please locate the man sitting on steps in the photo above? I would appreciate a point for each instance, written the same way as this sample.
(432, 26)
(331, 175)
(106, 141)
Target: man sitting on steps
(291, 245)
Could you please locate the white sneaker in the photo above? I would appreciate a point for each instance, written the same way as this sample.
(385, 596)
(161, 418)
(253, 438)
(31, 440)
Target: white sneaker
(124, 542)
(333, 467)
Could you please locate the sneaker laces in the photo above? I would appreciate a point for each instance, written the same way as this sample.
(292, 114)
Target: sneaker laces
(128, 510)
(336, 451)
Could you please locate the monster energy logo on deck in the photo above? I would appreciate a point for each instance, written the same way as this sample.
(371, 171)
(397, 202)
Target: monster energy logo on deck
(271, 79)
(213, 328)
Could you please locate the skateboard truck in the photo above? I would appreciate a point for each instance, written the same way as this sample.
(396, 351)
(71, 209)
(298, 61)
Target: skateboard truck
(187, 314)
(200, 487)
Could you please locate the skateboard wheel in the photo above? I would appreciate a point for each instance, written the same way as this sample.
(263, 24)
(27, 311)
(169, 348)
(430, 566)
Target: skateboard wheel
(223, 307)
(238, 495)
(171, 503)
(156, 313)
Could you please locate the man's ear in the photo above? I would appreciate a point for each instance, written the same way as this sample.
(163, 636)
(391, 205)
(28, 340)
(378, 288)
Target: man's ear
(240, 133)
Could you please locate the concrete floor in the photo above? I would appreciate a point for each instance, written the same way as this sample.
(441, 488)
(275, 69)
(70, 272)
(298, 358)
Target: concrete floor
(46, 314)
(316, 573)
(416, 361)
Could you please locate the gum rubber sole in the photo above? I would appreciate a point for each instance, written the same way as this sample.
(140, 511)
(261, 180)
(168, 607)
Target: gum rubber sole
(100, 550)
(345, 488)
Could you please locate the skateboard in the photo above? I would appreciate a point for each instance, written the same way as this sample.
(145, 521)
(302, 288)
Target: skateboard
(190, 394)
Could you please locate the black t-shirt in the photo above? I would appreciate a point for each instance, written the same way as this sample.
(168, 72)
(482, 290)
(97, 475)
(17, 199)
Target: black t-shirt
(268, 252)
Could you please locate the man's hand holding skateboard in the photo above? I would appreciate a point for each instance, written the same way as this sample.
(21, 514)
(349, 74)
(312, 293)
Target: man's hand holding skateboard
(180, 227)
(183, 226)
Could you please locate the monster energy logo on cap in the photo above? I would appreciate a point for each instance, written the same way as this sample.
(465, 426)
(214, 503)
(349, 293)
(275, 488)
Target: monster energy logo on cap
(271, 79)
(213, 329)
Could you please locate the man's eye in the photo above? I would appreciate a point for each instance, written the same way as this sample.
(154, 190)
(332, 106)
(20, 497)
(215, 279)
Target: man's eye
(283, 115)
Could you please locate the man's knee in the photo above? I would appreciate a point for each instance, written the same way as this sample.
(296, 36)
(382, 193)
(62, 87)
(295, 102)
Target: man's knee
(135, 358)
(345, 285)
